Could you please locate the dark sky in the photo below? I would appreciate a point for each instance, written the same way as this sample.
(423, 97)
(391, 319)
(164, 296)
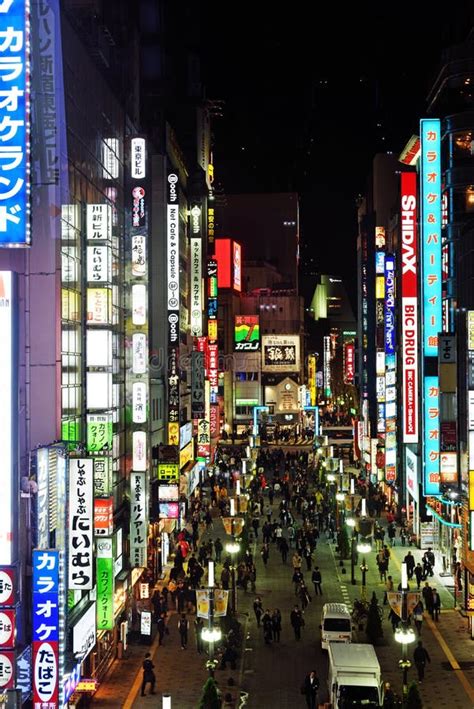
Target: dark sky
(311, 95)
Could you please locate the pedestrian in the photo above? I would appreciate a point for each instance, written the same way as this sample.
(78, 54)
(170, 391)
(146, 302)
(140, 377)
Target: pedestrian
(297, 622)
(161, 628)
(252, 577)
(389, 697)
(311, 686)
(284, 549)
(428, 561)
(297, 579)
(394, 618)
(296, 561)
(436, 604)
(276, 624)
(198, 626)
(218, 548)
(305, 598)
(183, 626)
(265, 553)
(267, 627)
(258, 609)
(308, 557)
(388, 589)
(418, 573)
(418, 616)
(421, 657)
(316, 578)
(427, 594)
(409, 560)
(392, 533)
(148, 674)
(255, 525)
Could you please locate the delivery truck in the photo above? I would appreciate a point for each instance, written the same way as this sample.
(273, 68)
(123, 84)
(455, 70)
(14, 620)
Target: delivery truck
(354, 678)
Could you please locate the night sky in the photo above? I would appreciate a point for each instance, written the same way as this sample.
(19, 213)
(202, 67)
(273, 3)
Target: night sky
(311, 95)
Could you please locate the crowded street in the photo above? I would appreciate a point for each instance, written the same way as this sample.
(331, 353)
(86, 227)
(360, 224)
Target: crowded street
(270, 669)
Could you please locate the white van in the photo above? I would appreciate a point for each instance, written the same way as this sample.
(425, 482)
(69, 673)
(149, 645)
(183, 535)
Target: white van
(336, 624)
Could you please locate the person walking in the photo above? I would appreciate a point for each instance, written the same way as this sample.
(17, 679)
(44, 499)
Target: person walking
(311, 686)
(276, 624)
(418, 573)
(267, 627)
(316, 578)
(409, 560)
(388, 589)
(427, 594)
(297, 579)
(183, 626)
(436, 604)
(148, 674)
(198, 626)
(161, 627)
(421, 657)
(296, 561)
(218, 549)
(284, 549)
(308, 555)
(305, 598)
(265, 553)
(297, 622)
(418, 616)
(394, 618)
(258, 610)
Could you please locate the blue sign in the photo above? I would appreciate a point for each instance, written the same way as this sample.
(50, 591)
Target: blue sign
(379, 262)
(432, 433)
(389, 305)
(14, 123)
(45, 595)
(430, 130)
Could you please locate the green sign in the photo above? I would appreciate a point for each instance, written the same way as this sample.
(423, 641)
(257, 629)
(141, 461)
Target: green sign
(105, 584)
(99, 433)
(168, 472)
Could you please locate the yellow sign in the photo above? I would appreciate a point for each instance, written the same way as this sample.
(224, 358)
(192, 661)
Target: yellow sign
(471, 490)
(87, 685)
(186, 454)
(395, 601)
(470, 330)
(220, 603)
(380, 287)
(233, 525)
(173, 434)
(168, 472)
(212, 330)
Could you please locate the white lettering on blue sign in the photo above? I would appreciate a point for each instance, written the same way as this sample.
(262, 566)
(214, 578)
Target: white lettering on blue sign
(14, 123)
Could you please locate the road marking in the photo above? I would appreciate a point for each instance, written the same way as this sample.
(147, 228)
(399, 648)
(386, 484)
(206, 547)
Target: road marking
(466, 685)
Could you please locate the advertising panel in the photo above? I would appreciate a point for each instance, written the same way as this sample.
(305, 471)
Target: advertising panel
(15, 227)
(45, 605)
(139, 255)
(349, 363)
(139, 353)
(139, 403)
(84, 632)
(99, 306)
(138, 519)
(168, 493)
(412, 474)
(409, 348)
(102, 477)
(204, 438)
(223, 256)
(99, 222)
(103, 517)
(185, 434)
(280, 353)
(389, 305)
(7, 586)
(168, 510)
(105, 585)
(430, 131)
(168, 472)
(139, 453)
(42, 498)
(138, 158)
(247, 333)
(81, 514)
(197, 306)
(173, 243)
(448, 473)
(431, 433)
(99, 264)
(186, 454)
(99, 432)
(197, 385)
(237, 266)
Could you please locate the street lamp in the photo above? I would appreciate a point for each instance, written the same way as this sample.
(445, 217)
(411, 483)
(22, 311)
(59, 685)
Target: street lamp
(404, 635)
(166, 701)
(364, 548)
(351, 523)
(211, 634)
(233, 549)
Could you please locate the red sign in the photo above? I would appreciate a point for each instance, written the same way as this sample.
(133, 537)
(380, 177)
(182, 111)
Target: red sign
(7, 585)
(8, 665)
(103, 516)
(45, 674)
(223, 256)
(201, 344)
(7, 628)
(349, 363)
(409, 307)
(213, 354)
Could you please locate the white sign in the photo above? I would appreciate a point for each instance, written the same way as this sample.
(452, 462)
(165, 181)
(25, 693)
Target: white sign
(412, 474)
(99, 302)
(280, 353)
(7, 669)
(185, 434)
(110, 158)
(168, 493)
(99, 390)
(470, 403)
(81, 523)
(140, 353)
(145, 623)
(42, 478)
(139, 402)
(139, 450)
(99, 222)
(139, 304)
(138, 520)
(380, 386)
(196, 288)
(138, 255)
(99, 264)
(84, 633)
(138, 158)
(8, 405)
(99, 348)
(380, 362)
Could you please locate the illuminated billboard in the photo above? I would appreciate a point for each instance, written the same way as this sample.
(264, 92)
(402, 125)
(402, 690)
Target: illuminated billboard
(432, 435)
(280, 353)
(247, 333)
(409, 345)
(15, 121)
(228, 254)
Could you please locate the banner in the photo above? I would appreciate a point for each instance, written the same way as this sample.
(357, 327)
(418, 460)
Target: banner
(46, 628)
(395, 601)
(138, 520)
(233, 525)
(81, 520)
(105, 584)
(221, 599)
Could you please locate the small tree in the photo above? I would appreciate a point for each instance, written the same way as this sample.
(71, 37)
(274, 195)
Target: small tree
(343, 543)
(209, 698)
(374, 622)
(413, 697)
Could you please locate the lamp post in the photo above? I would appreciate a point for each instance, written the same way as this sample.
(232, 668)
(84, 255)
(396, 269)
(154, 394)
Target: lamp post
(352, 523)
(404, 635)
(211, 635)
(364, 548)
(166, 701)
(233, 549)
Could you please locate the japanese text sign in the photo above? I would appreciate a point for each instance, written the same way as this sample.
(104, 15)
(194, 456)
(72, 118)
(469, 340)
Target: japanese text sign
(105, 584)
(15, 123)
(431, 232)
(81, 515)
(431, 447)
(45, 627)
(138, 519)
